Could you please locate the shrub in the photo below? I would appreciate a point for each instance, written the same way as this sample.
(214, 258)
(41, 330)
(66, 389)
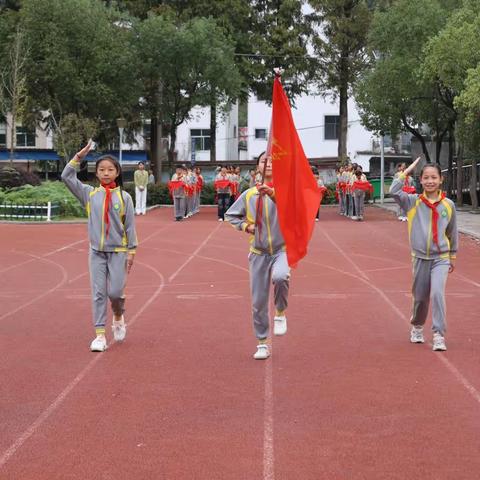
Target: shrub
(11, 177)
(157, 194)
(55, 192)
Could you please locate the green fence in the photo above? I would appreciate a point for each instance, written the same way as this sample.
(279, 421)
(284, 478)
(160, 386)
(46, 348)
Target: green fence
(30, 211)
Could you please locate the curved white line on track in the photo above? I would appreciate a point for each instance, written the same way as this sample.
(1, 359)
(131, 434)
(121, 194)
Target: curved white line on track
(65, 247)
(449, 365)
(62, 282)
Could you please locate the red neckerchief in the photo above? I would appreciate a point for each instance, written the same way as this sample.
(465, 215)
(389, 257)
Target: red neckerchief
(259, 213)
(108, 195)
(433, 208)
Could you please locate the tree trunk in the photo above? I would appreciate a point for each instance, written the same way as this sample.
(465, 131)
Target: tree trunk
(156, 148)
(13, 136)
(451, 152)
(343, 94)
(417, 135)
(173, 142)
(153, 147)
(460, 177)
(473, 185)
(213, 130)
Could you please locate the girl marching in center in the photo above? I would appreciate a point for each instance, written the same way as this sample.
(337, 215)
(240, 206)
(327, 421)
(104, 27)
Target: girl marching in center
(432, 229)
(113, 240)
(255, 213)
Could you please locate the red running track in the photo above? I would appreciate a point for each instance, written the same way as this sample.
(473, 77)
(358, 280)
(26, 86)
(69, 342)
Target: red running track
(344, 396)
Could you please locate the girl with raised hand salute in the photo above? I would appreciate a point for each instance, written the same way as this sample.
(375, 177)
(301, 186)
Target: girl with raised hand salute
(113, 240)
(433, 235)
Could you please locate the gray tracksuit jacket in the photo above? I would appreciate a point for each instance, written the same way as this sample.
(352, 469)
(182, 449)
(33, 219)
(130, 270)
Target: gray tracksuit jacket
(122, 236)
(266, 240)
(420, 218)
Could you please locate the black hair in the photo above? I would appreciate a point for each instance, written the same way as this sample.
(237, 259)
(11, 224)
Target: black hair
(116, 163)
(431, 165)
(260, 156)
(141, 163)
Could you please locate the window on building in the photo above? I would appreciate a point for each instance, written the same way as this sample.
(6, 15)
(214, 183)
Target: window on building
(261, 133)
(332, 127)
(3, 135)
(201, 139)
(25, 137)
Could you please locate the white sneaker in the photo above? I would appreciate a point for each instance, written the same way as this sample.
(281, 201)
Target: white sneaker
(280, 325)
(416, 335)
(119, 330)
(438, 343)
(404, 219)
(316, 219)
(99, 344)
(220, 219)
(354, 217)
(262, 352)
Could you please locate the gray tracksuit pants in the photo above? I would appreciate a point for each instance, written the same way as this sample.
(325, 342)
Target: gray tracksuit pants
(359, 201)
(108, 275)
(179, 204)
(264, 268)
(429, 281)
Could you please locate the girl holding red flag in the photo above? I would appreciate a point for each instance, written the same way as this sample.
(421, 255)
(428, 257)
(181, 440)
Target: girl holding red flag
(113, 240)
(255, 213)
(433, 239)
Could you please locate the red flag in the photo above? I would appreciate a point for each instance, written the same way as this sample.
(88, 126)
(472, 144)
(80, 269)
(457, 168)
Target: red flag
(296, 191)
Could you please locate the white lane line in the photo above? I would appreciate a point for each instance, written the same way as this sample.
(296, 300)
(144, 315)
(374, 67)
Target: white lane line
(62, 282)
(449, 365)
(11, 267)
(268, 450)
(346, 257)
(192, 256)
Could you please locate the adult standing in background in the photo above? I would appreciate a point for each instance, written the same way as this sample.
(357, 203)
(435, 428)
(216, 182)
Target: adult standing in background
(141, 182)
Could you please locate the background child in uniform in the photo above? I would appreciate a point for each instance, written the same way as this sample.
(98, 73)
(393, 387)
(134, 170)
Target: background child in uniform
(222, 187)
(267, 258)
(433, 236)
(177, 190)
(358, 194)
(111, 230)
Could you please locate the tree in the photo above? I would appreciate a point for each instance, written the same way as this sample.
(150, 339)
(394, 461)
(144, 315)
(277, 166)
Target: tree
(452, 57)
(183, 66)
(233, 17)
(393, 94)
(340, 48)
(280, 35)
(13, 92)
(83, 63)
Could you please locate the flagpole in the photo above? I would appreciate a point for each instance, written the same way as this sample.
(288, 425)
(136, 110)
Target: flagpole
(268, 153)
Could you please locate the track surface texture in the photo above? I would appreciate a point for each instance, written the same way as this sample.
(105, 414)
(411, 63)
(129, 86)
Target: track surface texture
(344, 395)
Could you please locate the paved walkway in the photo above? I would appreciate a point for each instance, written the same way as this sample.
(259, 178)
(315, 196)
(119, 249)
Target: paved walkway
(468, 222)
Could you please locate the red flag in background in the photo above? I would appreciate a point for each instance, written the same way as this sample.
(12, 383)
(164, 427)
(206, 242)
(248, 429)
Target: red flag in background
(296, 192)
